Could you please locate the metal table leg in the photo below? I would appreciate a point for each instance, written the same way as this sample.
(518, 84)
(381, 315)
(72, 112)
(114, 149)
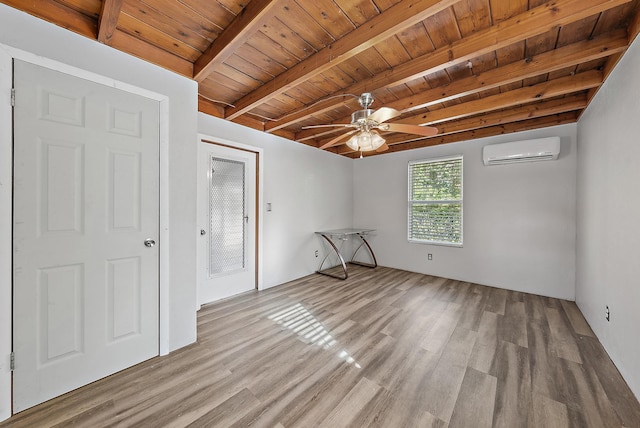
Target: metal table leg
(337, 251)
(373, 256)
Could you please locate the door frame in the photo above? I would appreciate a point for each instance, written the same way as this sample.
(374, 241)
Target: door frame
(259, 152)
(7, 55)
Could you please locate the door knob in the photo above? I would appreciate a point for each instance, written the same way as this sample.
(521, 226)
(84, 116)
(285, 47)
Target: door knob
(203, 232)
(149, 242)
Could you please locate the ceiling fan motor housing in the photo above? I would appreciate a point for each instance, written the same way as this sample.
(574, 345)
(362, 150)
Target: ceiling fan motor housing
(360, 116)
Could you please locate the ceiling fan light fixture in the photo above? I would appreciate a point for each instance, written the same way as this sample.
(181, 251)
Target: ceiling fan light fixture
(365, 141)
(376, 141)
(352, 143)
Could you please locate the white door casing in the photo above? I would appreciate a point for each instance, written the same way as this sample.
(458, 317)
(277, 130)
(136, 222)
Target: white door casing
(86, 196)
(227, 219)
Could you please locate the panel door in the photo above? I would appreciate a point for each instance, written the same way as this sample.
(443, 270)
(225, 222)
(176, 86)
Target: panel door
(227, 217)
(86, 197)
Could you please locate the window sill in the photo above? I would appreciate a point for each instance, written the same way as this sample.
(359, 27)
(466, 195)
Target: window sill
(442, 244)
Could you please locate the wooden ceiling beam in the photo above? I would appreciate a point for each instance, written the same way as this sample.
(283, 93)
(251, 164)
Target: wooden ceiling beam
(545, 108)
(251, 122)
(213, 109)
(553, 88)
(542, 122)
(108, 20)
(516, 29)
(58, 14)
(525, 112)
(300, 115)
(285, 134)
(208, 107)
(634, 25)
(153, 54)
(576, 53)
(547, 62)
(402, 15)
(520, 27)
(245, 24)
(316, 133)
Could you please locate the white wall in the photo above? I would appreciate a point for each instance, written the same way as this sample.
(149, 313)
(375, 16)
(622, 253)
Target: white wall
(519, 219)
(608, 244)
(32, 38)
(309, 190)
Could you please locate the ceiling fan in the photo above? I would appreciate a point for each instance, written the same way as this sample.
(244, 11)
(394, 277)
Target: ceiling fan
(367, 122)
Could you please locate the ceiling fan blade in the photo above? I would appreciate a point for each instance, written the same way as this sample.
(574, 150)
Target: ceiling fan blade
(383, 114)
(382, 148)
(336, 140)
(427, 131)
(331, 125)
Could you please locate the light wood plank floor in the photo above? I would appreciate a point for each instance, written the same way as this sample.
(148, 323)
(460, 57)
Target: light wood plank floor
(385, 348)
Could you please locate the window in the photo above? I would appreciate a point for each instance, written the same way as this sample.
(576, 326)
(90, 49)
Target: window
(435, 201)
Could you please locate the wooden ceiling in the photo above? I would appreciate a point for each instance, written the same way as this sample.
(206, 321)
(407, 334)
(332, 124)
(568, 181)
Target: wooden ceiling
(471, 68)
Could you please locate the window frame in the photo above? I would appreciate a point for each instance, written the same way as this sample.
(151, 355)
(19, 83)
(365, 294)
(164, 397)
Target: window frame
(411, 203)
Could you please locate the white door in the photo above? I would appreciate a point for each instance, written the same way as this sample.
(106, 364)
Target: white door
(86, 195)
(227, 218)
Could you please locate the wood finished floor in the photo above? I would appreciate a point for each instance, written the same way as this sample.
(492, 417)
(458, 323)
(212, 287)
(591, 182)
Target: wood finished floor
(385, 348)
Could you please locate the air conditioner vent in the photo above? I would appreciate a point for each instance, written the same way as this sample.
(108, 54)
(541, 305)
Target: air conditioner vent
(522, 151)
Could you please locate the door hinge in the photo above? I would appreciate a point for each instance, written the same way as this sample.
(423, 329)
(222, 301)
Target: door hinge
(13, 97)
(12, 361)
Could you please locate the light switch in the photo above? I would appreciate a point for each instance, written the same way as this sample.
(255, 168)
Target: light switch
(268, 206)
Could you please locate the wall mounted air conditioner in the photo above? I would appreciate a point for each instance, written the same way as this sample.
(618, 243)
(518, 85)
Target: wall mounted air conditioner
(522, 151)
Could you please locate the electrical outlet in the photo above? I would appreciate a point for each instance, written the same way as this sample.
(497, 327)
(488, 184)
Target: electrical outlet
(316, 253)
(607, 314)
(429, 256)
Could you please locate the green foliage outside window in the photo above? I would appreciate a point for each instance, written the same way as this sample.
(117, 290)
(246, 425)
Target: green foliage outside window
(435, 201)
